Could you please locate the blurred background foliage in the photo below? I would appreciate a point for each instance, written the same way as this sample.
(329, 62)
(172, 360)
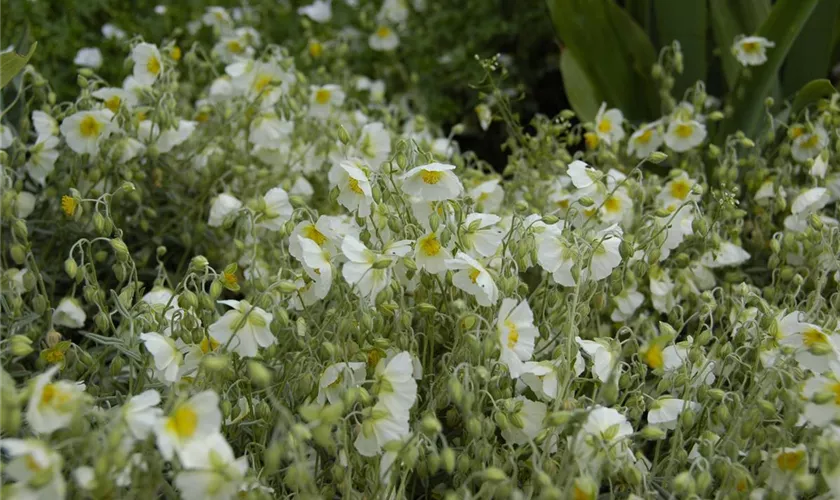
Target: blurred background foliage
(556, 52)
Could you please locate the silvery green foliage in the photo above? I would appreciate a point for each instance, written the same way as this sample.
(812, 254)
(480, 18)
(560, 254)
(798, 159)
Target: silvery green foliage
(228, 276)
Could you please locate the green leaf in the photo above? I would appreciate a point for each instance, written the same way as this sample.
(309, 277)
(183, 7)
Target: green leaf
(640, 10)
(751, 13)
(12, 63)
(725, 27)
(810, 55)
(782, 27)
(812, 92)
(611, 50)
(581, 93)
(684, 21)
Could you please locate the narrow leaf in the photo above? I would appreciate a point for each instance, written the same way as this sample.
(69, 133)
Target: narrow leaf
(812, 92)
(686, 22)
(12, 63)
(725, 27)
(582, 94)
(810, 55)
(782, 27)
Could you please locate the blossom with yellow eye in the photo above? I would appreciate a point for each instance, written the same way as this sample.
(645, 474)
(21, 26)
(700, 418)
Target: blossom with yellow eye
(807, 145)
(645, 141)
(192, 420)
(384, 39)
(115, 98)
(323, 99)
(676, 192)
(244, 328)
(517, 335)
(148, 64)
(430, 254)
(751, 50)
(684, 134)
(815, 350)
(84, 131)
(473, 278)
(35, 467)
(609, 124)
(53, 405)
(432, 182)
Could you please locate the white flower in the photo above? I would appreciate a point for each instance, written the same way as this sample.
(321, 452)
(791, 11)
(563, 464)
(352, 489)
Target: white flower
(751, 50)
(729, 254)
(246, 327)
(42, 157)
(395, 11)
(676, 192)
(126, 149)
(679, 226)
(430, 254)
(223, 205)
(85, 477)
(807, 145)
(168, 359)
(384, 39)
(606, 256)
(212, 472)
(517, 334)
(395, 380)
(432, 182)
(148, 64)
(665, 411)
(531, 415)
(443, 148)
(606, 429)
(278, 209)
(374, 144)
(822, 415)
(646, 140)
(355, 192)
(112, 32)
(541, 378)
(819, 167)
(322, 232)
(52, 404)
(474, 279)
(481, 235)
(323, 99)
(810, 201)
(608, 124)
(582, 175)
(168, 139)
(85, 130)
(338, 378)
(320, 11)
(360, 271)
(32, 461)
(268, 130)
(141, 413)
(195, 419)
(69, 313)
(114, 98)
(316, 263)
(603, 360)
(24, 204)
(45, 125)
(217, 17)
(683, 135)
(785, 465)
(488, 196)
(90, 57)
(626, 302)
(381, 428)
(815, 349)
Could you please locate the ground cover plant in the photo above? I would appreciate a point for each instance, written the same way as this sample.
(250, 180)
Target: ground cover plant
(243, 258)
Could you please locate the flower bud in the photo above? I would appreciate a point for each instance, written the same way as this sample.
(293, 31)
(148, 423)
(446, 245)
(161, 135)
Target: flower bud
(18, 253)
(652, 433)
(494, 474)
(20, 346)
(657, 157)
(430, 425)
(259, 374)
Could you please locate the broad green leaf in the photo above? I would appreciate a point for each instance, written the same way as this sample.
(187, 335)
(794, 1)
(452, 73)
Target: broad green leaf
(751, 13)
(684, 21)
(641, 12)
(12, 63)
(782, 27)
(812, 92)
(810, 55)
(611, 50)
(725, 27)
(581, 92)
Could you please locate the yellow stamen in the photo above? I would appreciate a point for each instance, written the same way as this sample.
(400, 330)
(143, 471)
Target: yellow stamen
(430, 245)
(183, 422)
(645, 137)
(208, 344)
(604, 126)
(653, 357)
(431, 176)
(113, 103)
(175, 53)
(591, 140)
(312, 233)
(235, 47)
(54, 356)
(322, 96)
(383, 32)
(229, 279)
(354, 186)
(153, 65)
(612, 205)
(751, 47)
(790, 460)
(680, 189)
(684, 130)
(513, 334)
(315, 49)
(261, 83)
(68, 205)
(89, 126)
(474, 275)
(812, 336)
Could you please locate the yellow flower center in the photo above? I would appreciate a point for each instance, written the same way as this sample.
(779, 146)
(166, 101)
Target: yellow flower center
(591, 140)
(261, 83)
(811, 142)
(605, 126)
(644, 137)
(751, 47)
(383, 32)
(53, 396)
(790, 460)
(474, 275)
(374, 356)
(89, 126)
(235, 47)
(32, 464)
(153, 65)
(653, 357)
(141, 115)
(322, 96)
(175, 53)
(430, 176)
(513, 334)
(354, 186)
(796, 131)
(54, 356)
(430, 245)
(183, 422)
(835, 388)
(684, 130)
(579, 494)
(113, 103)
(202, 116)
(612, 205)
(312, 233)
(680, 189)
(68, 205)
(229, 279)
(315, 49)
(208, 344)
(812, 336)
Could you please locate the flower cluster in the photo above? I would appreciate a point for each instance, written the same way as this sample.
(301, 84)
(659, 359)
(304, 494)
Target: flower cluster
(234, 275)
